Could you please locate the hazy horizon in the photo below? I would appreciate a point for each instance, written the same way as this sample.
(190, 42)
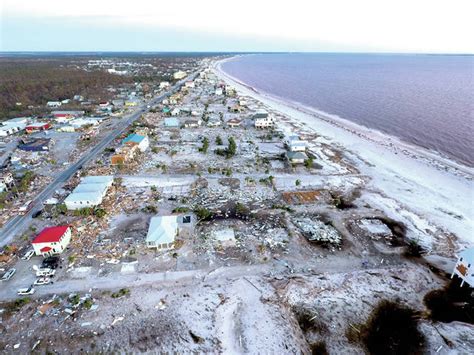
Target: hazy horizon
(365, 26)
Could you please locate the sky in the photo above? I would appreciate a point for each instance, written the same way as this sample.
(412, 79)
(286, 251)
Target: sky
(421, 26)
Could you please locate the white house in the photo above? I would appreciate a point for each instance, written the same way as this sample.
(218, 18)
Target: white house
(189, 84)
(179, 75)
(52, 240)
(53, 103)
(218, 92)
(464, 267)
(162, 232)
(175, 112)
(164, 84)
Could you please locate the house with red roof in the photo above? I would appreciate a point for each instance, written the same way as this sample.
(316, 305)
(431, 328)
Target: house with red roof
(52, 240)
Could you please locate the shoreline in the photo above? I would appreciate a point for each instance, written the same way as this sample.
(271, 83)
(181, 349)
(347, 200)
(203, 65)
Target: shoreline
(383, 139)
(407, 182)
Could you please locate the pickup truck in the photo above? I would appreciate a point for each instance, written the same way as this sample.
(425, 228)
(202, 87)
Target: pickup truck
(26, 291)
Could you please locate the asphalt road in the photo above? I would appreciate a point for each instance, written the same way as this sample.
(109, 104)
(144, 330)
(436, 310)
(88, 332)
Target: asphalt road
(19, 223)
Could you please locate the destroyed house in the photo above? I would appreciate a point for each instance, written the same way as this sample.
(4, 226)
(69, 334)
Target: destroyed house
(296, 157)
(162, 232)
(464, 267)
(35, 145)
(89, 193)
(137, 139)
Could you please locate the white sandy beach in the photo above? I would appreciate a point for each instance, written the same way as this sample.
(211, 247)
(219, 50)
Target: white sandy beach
(430, 194)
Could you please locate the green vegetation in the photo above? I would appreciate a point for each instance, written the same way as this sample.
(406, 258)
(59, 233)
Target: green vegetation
(150, 209)
(219, 140)
(308, 163)
(298, 182)
(205, 146)
(88, 303)
(181, 209)
(34, 82)
(120, 293)
(228, 152)
(202, 213)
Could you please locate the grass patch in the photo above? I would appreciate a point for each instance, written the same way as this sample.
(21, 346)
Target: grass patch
(120, 293)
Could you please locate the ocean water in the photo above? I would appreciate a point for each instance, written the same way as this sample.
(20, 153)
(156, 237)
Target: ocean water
(426, 100)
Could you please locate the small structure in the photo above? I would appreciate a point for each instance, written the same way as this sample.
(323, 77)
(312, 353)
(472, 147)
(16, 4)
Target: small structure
(131, 103)
(89, 193)
(218, 92)
(35, 145)
(296, 157)
(141, 141)
(189, 84)
(171, 122)
(192, 123)
(164, 84)
(464, 267)
(37, 127)
(175, 112)
(162, 232)
(52, 240)
(234, 122)
(67, 114)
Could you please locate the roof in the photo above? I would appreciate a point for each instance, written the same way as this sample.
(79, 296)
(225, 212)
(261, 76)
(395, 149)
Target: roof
(467, 254)
(37, 124)
(134, 138)
(92, 187)
(162, 229)
(97, 179)
(171, 121)
(50, 234)
(296, 155)
(45, 249)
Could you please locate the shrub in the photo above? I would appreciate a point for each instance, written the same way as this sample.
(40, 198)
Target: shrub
(120, 293)
(391, 329)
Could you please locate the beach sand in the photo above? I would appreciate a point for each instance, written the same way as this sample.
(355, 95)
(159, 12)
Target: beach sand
(430, 194)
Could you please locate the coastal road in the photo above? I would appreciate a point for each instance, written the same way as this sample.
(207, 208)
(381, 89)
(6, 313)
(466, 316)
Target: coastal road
(18, 224)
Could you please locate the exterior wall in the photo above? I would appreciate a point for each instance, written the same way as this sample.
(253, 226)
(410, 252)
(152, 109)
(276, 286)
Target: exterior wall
(165, 246)
(144, 144)
(77, 205)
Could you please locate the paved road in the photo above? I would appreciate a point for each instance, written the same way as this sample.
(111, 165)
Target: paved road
(18, 224)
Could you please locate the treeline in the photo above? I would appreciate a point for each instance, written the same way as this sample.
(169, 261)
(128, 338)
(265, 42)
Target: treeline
(34, 82)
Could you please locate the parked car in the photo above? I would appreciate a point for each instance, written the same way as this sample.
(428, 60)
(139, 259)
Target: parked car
(26, 291)
(46, 272)
(42, 281)
(51, 262)
(28, 255)
(8, 275)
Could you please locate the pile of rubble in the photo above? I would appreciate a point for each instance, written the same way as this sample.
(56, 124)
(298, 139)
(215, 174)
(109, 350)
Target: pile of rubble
(317, 231)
